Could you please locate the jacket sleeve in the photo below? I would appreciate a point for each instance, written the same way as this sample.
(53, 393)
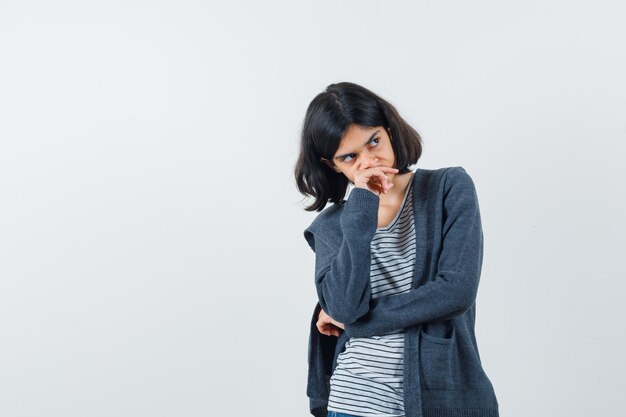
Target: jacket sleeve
(342, 276)
(455, 285)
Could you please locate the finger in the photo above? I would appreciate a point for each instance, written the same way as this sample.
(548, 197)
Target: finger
(389, 187)
(380, 172)
(387, 181)
(386, 171)
(330, 331)
(323, 325)
(375, 179)
(382, 181)
(320, 326)
(375, 182)
(323, 330)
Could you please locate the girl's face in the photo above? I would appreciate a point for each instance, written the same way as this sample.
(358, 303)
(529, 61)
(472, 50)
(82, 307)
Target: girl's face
(363, 147)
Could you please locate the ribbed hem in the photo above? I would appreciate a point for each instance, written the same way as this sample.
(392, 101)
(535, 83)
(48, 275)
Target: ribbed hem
(360, 197)
(356, 329)
(318, 407)
(460, 412)
(359, 217)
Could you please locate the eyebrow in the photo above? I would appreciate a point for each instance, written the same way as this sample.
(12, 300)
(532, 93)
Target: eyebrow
(366, 142)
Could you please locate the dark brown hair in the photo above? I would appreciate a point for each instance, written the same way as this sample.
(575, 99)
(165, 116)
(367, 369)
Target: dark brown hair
(326, 121)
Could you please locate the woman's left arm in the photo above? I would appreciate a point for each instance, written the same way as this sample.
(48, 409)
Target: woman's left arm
(453, 290)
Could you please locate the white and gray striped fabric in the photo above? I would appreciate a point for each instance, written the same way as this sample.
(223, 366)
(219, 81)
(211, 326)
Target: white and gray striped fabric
(367, 380)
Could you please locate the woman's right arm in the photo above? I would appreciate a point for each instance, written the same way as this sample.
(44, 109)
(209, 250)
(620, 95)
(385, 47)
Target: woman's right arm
(342, 276)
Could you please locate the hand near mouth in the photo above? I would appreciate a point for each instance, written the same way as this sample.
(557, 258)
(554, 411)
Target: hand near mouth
(375, 179)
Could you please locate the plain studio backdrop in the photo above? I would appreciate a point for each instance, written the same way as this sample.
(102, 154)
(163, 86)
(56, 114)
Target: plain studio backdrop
(152, 261)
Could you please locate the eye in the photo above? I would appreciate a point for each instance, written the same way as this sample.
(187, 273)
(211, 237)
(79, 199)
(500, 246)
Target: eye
(350, 155)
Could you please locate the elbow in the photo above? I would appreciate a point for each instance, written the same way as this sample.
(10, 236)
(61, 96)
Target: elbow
(462, 289)
(344, 306)
(466, 298)
(457, 306)
(465, 304)
(346, 313)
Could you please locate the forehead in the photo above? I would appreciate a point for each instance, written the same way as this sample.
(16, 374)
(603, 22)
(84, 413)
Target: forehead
(359, 133)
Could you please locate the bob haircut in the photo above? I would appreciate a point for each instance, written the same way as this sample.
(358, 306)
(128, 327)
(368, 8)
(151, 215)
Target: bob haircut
(327, 120)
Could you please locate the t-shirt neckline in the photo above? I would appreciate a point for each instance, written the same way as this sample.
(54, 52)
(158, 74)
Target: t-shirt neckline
(401, 209)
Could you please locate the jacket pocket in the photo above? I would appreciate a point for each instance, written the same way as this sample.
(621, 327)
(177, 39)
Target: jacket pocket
(438, 359)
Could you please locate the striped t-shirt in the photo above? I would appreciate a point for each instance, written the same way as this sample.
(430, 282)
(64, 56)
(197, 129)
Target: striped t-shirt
(367, 380)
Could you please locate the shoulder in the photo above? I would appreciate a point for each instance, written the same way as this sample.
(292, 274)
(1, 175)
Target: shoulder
(454, 172)
(324, 224)
(445, 185)
(432, 181)
(457, 189)
(460, 177)
(453, 177)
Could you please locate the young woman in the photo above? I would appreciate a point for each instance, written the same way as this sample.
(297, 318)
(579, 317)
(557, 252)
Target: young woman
(397, 267)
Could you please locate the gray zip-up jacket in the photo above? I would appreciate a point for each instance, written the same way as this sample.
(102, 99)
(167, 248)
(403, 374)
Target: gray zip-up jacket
(443, 374)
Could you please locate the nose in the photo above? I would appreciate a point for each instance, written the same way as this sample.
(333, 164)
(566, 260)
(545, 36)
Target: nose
(369, 160)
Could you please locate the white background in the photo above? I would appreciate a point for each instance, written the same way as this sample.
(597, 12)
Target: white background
(152, 261)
